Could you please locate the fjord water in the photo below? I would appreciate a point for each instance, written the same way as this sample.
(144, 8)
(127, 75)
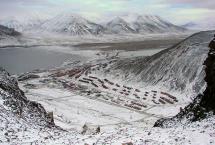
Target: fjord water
(20, 60)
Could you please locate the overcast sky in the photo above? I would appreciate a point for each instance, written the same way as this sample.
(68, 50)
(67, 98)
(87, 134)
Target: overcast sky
(176, 11)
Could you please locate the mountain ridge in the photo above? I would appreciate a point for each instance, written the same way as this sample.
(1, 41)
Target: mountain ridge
(76, 25)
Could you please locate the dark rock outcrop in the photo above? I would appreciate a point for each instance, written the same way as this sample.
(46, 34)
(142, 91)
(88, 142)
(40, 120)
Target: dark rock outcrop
(203, 103)
(14, 100)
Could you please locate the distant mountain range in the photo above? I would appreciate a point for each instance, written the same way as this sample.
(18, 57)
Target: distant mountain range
(203, 25)
(77, 25)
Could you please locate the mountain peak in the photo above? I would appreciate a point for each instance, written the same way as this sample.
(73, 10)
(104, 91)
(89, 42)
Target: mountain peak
(118, 25)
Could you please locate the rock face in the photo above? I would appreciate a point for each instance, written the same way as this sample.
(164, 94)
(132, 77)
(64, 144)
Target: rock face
(203, 103)
(12, 99)
(208, 99)
(177, 68)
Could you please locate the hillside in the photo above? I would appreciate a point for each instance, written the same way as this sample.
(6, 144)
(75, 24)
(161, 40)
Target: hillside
(14, 101)
(203, 104)
(177, 68)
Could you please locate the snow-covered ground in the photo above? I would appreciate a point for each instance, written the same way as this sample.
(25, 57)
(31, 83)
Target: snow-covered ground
(118, 124)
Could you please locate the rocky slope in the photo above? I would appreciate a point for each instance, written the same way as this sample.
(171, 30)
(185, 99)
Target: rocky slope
(203, 103)
(177, 68)
(12, 99)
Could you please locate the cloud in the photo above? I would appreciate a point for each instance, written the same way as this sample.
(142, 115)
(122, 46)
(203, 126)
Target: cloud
(209, 4)
(177, 11)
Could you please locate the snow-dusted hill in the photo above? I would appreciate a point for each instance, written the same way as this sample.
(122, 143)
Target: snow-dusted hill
(72, 25)
(177, 68)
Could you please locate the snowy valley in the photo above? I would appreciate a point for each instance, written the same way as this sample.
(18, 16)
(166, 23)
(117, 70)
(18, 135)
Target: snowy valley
(121, 83)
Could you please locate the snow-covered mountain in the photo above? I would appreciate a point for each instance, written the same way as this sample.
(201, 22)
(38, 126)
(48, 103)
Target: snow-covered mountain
(154, 24)
(190, 25)
(30, 24)
(77, 25)
(201, 25)
(118, 26)
(12, 23)
(72, 25)
(142, 24)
